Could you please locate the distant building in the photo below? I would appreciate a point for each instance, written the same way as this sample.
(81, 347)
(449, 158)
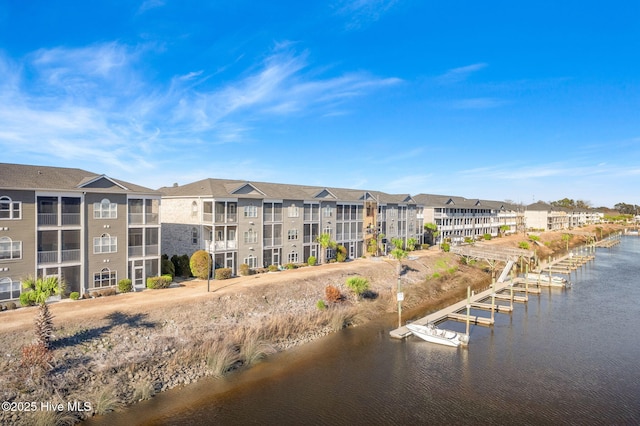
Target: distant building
(90, 230)
(459, 218)
(546, 217)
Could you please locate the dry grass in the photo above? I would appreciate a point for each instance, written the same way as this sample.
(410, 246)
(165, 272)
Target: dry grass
(220, 357)
(105, 400)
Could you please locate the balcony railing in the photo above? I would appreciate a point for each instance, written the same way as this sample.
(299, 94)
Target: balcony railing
(220, 217)
(270, 242)
(136, 218)
(152, 218)
(224, 245)
(70, 218)
(48, 257)
(311, 217)
(47, 219)
(309, 238)
(136, 250)
(70, 255)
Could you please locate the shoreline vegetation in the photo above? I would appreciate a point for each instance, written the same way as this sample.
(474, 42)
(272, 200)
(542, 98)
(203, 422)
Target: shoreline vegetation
(111, 352)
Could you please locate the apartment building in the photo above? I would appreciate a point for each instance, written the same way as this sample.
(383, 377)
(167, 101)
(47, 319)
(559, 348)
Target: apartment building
(459, 218)
(90, 230)
(262, 224)
(547, 217)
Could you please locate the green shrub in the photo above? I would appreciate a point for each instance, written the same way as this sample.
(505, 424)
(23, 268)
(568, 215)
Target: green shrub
(435, 275)
(523, 245)
(312, 261)
(445, 246)
(425, 246)
(321, 305)
(124, 285)
(358, 284)
(74, 295)
(155, 283)
(26, 298)
(487, 236)
(245, 270)
(290, 266)
(411, 244)
(167, 267)
(181, 265)
(534, 237)
(273, 268)
(223, 273)
(200, 264)
(341, 253)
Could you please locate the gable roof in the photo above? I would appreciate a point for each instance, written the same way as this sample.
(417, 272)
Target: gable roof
(42, 178)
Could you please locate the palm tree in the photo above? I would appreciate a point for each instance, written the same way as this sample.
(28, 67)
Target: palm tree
(39, 291)
(399, 253)
(325, 242)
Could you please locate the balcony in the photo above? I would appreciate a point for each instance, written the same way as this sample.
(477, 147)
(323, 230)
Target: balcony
(222, 218)
(222, 245)
(270, 242)
(136, 251)
(47, 219)
(70, 219)
(309, 238)
(70, 255)
(48, 257)
(152, 218)
(136, 218)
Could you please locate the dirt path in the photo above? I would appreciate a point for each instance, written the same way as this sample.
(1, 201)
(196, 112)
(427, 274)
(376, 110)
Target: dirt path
(150, 300)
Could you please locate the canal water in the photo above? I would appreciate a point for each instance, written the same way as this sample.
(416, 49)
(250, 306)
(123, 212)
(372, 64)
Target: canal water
(566, 357)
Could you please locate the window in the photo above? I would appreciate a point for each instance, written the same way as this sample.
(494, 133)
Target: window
(292, 257)
(292, 234)
(9, 289)
(105, 209)
(252, 261)
(293, 211)
(194, 236)
(105, 244)
(326, 211)
(250, 236)
(10, 250)
(104, 278)
(250, 211)
(194, 209)
(10, 209)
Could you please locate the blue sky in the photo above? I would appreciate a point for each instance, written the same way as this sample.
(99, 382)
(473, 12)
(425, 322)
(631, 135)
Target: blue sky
(500, 100)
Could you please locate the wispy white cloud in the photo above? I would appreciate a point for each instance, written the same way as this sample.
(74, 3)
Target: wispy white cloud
(95, 102)
(361, 13)
(150, 4)
(412, 184)
(457, 75)
(477, 103)
(509, 172)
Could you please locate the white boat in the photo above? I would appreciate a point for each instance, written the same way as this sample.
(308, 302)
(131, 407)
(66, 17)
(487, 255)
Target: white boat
(433, 334)
(543, 279)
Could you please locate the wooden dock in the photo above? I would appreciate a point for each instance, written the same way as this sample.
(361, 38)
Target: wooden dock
(455, 311)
